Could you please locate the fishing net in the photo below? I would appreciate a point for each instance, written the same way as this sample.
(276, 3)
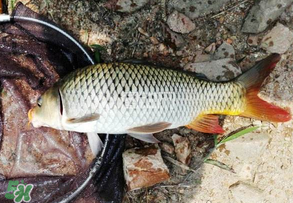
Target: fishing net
(32, 58)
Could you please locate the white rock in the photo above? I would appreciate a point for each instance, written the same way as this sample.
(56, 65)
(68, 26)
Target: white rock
(245, 193)
(216, 70)
(248, 147)
(278, 40)
(180, 23)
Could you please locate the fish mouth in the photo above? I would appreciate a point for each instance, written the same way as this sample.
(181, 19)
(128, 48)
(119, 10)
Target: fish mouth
(30, 116)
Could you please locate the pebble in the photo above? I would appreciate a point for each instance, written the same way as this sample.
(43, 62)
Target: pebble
(180, 23)
(245, 193)
(197, 8)
(211, 48)
(144, 167)
(263, 13)
(166, 147)
(216, 70)
(182, 148)
(278, 40)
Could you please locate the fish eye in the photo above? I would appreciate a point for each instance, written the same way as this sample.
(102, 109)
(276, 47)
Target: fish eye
(39, 101)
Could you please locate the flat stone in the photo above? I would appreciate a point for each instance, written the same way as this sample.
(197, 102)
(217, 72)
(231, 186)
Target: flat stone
(224, 51)
(216, 70)
(248, 147)
(278, 40)
(180, 23)
(144, 167)
(245, 193)
(263, 13)
(182, 148)
(197, 8)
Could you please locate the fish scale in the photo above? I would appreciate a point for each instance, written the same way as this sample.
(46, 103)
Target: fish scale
(105, 90)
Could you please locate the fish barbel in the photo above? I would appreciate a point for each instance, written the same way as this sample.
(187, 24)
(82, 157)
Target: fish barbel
(119, 98)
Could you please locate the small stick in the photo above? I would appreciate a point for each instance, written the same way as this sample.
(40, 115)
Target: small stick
(229, 9)
(177, 163)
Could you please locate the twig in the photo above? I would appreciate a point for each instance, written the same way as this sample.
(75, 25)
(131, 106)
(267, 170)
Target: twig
(177, 163)
(229, 9)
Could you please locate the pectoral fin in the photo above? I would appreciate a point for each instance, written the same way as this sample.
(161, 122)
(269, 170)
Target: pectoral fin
(207, 124)
(151, 128)
(145, 137)
(84, 119)
(95, 142)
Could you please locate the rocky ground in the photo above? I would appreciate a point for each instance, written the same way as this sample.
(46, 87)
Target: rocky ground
(217, 38)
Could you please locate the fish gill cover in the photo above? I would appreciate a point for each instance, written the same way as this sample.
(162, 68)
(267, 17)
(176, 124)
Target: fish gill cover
(33, 58)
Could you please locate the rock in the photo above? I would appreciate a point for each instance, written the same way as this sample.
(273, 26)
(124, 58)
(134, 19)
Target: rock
(278, 40)
(197, 8)
(224, 51)
(216, 70)
(126, 5)
(166, 147)
(248, 147)
(245, 193)
(180, 23)
(144, 167)
(182, 148)
(246, 150)
(263, 13)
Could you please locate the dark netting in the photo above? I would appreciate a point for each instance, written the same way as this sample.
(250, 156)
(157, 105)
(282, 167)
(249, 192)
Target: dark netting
(33, 57)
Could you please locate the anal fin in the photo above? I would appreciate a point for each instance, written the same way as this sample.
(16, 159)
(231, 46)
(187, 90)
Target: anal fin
(206, 123)
(150, 128)
(145, 137)
(95, 142)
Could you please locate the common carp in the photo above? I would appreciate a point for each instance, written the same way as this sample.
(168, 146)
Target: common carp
(139, 100)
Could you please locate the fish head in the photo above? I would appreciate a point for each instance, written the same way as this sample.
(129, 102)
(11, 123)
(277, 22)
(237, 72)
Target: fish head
(48, 111)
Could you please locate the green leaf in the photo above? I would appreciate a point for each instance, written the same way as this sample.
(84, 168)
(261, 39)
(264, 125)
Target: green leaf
(97, 49)
(216, 140)
(239, 134)
(219, 164)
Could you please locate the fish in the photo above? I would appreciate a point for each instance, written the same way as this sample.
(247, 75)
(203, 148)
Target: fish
(139, 100)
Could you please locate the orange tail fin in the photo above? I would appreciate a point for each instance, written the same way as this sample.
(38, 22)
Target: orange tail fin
(252, 81)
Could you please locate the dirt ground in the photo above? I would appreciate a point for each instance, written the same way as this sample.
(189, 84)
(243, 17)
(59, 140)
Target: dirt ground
(263, 164)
